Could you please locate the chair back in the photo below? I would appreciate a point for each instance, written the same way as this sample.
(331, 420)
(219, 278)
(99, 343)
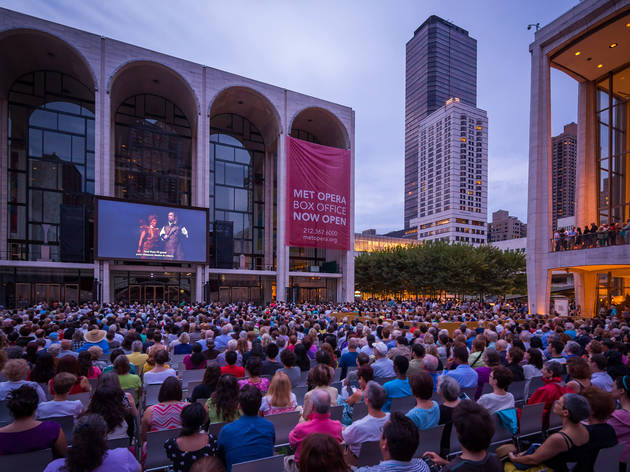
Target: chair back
(118, 443)
(300, 392)
(470, 392)
(383, 380)
(534, 384)
(66, 423)
(403, 404)
(430, 440)
(487, 388)
(359, 410)
(268, 464)
(338, 386)
(5, 414)
(370, 454)
(555, 421)
(454, 444)
(34, 460)
(337, 375)
(517, 389)
(215, 429)
(501, 434)
(531, 420)
(156, 454)
(283, 424)
(84, 398)
(195, 375)
(609, 458)
(151, 394)
(336, 412)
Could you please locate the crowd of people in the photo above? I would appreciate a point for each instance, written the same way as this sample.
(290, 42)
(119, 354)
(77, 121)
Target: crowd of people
(391, 360)
(572, 237)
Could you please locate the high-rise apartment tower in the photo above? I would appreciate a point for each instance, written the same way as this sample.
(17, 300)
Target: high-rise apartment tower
(563, 158)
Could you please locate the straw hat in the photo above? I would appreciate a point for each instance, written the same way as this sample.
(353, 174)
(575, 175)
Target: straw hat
(94, 336)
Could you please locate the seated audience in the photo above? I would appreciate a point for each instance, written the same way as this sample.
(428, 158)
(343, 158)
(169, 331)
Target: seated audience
(580, 373)
(230, 366)
(44, 368)
(89, 452)
(449, 391)
(514, 358)
(499, 399)
(599, 377)
(191, 444)
(321, 452)
(570, 444)
(195, 360)
(86, 367)
(319, 422)
(601, 434)
(463, 373)
(271, 363)
(250, 437)
(253, 368)
(553, 389)
(279, 397)
(620, 418)
(288, 360)
(25, 433)
(491, 359)
(161, 371)
(364, 375)
(137, 358)
(398, 444)
(417, 359)
(166, 413)
(208, 384)
(534, 363)
(398, 387)
(370, 427)
(70, 364)
(109, 402)
(183, 347)
(60, 405)
(222, 406)
(319, 378)
(426, 413)
(126, 379)
(15, 371)
(474, 428)
(383, 366)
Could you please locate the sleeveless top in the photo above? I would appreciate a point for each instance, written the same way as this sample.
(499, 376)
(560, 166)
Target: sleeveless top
(558, 463)
(166, 416)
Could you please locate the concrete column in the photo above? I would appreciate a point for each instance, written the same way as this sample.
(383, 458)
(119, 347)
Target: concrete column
(539, 201)
(201, 153)
(282, 251)
(586, 292)
(4, 182)
(270, 164)
(105, 282)
(199, 282)
(586, 165)
(348, 269)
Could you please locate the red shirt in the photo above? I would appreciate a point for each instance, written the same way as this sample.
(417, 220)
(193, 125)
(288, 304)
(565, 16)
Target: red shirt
(236, 371)
(547, 394)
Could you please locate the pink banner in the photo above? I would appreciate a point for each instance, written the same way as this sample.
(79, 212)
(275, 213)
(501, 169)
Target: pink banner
(318, 196)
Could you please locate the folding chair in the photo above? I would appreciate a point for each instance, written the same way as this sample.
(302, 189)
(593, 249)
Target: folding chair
(517, 389)
(118, 443)
(487, 388)
(66, 423)
(531, 420)
(436, 397)
(384, 380)
(337, 375)
(151, 394)
(299, 394)
(430, 440)
(83, 397)
(5, 414)
(283, 424)
(268, 464)
(370, 454)
(403, 404)
(336, 412)
(501, 434)
(338, 386)
(359, 410)
(534, 384)
(156, 454)
(303, 379)
(195, 375)
(609, 458)
(454, 445)
(470, 392)
(34, 460)
(215, 429)
(555, 423)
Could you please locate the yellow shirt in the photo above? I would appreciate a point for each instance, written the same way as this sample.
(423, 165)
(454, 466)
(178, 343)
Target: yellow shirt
(137, 358)
(147, 367)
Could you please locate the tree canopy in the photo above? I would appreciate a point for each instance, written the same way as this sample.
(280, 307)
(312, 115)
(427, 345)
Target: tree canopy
(438, 267)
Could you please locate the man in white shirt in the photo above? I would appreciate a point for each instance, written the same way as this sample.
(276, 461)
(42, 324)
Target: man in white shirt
(599, 376)
(370, 427)
(500, 399)
(60, 405)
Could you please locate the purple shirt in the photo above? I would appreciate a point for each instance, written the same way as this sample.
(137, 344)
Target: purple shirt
(42, 436)
(120, 460)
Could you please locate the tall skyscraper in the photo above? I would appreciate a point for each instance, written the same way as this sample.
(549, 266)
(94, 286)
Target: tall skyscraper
(452, 161)
(563, 158)
(504, 227)
(441, 62)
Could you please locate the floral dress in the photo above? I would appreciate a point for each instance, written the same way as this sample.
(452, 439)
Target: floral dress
(183, 460)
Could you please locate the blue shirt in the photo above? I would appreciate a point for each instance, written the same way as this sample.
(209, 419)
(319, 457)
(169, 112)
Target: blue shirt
(220, 342)
(103, 344)
(465, 375)
(425, 419)
(396, 388)
(246, 439)
(349, 359)
(383, 368)
(415, 465)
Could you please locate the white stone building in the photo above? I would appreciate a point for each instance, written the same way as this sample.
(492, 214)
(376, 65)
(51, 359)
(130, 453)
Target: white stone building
(589, 43)
(453, 175)
(83, 116)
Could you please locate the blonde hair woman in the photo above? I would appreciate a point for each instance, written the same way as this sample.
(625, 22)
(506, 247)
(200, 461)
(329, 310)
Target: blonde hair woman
(279, 398)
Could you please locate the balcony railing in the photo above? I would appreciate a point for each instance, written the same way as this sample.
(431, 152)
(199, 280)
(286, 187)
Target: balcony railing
(599, 239)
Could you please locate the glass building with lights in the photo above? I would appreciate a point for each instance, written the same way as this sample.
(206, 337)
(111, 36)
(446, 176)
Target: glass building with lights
(590, 44)
(83, 116)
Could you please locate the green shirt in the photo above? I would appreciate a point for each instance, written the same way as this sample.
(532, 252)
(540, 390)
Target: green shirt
(130, 381)
(213, 416)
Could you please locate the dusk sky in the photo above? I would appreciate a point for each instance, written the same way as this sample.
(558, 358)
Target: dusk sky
(353, 53)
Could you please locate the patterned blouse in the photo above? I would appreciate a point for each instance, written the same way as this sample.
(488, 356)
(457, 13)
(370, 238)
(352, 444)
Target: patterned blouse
(183, 460)
(166, 416)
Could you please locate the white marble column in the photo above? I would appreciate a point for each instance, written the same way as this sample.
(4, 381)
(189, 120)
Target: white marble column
(282, 251)
(4, 182)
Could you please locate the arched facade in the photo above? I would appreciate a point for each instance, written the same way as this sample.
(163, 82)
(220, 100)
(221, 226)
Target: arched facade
(154, 129)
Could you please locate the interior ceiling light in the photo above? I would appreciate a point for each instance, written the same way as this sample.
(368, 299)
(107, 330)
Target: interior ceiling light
(577, 53)
(613, 45)
(599, 66)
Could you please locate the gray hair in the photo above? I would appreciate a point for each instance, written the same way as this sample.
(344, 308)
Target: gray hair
(54, 349)
(231, 345)
(227, 329)
(430, 362)
(554, 367)
(376, 394)
(449, 388)
(352, 343)
(573, 347)
(320, 399)
(577, 406)
(136, 346)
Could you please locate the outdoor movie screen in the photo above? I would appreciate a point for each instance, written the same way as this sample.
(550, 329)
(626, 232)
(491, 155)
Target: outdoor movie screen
(135, 231)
